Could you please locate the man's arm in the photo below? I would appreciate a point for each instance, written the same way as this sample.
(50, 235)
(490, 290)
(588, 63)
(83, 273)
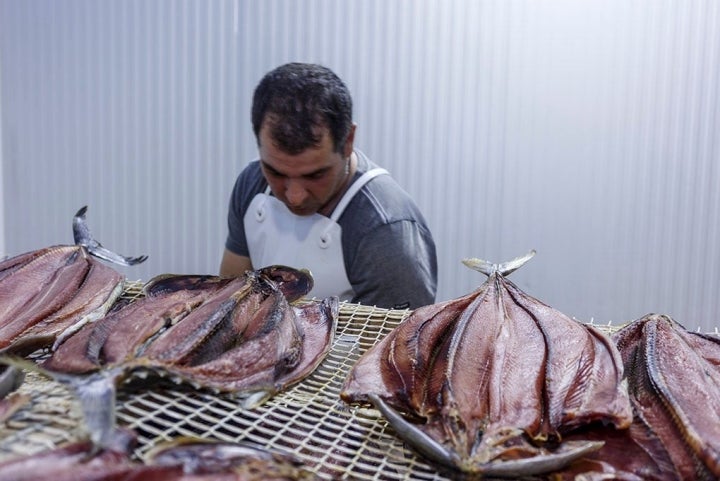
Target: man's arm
(233, 265)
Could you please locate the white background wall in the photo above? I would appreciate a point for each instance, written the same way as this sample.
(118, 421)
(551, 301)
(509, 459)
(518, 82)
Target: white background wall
(585, 130)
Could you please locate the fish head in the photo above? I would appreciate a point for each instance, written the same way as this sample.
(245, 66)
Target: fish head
(293, 283)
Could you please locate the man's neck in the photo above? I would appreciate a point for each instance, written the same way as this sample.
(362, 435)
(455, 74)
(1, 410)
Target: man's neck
(328, 208)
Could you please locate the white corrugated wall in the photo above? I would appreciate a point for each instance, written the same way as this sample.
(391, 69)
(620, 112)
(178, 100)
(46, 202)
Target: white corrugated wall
(585, 130)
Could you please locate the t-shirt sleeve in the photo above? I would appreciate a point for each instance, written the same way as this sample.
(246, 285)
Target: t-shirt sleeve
(246, 186)
(395, 267)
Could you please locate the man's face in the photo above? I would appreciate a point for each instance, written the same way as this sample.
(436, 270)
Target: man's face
(307, 181)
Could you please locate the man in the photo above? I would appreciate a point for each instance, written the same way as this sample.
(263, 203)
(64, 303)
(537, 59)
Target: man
(313, 202)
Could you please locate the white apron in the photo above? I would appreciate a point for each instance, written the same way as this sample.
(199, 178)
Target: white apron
(277, 236)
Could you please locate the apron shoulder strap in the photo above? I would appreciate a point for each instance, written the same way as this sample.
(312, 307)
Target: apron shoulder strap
(354, 189)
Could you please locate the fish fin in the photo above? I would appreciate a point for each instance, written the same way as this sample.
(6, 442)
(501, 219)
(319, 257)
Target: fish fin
(256, 399)
(423, 443)
(11, 378)
(504, 268)
(83, 237)
(94, 391)
(566, 453)
(26, 365)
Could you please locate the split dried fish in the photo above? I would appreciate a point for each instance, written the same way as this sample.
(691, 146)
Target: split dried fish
(674, 387)
(238, 335)
(53, 290)
(489, 383)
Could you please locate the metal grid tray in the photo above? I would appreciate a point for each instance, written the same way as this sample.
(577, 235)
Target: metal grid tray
(334, 440)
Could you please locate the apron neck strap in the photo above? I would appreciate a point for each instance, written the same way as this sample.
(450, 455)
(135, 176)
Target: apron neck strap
(354, 189)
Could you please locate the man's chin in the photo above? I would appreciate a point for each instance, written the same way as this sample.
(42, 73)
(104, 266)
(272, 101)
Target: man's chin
(303, 212)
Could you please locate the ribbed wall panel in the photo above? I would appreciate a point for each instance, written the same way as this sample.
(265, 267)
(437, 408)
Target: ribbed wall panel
(585, 130)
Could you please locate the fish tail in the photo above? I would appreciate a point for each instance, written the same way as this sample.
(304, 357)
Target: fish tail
(83, 237)
(503, 269)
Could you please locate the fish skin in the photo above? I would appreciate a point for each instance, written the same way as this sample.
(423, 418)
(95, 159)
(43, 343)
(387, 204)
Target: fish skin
(71, 357)
(516, 408)
(642, 456)
(57, 291)
(206, 332)
(411, 352)
(414, 334)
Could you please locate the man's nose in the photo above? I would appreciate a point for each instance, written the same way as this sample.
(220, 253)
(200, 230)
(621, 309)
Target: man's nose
(295, 193)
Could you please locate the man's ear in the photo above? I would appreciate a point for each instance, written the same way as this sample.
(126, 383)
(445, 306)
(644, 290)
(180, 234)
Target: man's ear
(348, 147)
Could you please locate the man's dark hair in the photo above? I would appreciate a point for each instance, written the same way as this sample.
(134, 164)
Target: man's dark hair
(298, 99)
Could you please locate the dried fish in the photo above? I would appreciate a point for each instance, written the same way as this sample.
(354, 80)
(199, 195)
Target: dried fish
(74, 462)
(674, 387)
(489, 383)
(238, 335)
(56, 289)
(246, 461)
(182, 459)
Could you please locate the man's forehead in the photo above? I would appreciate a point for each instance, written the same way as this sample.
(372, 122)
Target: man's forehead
(307, 162)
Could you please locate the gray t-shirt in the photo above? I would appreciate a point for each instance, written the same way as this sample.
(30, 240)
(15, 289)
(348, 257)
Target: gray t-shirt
(389, 252)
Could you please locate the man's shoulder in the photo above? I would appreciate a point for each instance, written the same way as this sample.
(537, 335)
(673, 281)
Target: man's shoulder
(250, 181)
(383, 197)
(383, 201)
(251, 172)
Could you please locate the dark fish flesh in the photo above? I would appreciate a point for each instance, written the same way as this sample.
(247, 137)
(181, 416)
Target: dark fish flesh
(491, 382)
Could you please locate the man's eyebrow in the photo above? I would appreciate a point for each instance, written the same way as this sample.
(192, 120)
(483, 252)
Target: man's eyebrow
(270, 168)
(314, 173)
